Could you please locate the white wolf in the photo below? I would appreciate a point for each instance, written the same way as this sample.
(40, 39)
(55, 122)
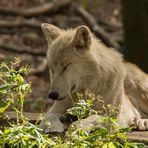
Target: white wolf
(79, 62)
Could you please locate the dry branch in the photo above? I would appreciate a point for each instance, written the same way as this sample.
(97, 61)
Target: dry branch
(11, 27)
(92, 23)
(35, 11)
(21, 50)
(20, 23)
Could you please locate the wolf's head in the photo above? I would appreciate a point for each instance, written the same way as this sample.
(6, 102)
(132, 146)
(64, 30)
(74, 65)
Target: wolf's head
(68, 59)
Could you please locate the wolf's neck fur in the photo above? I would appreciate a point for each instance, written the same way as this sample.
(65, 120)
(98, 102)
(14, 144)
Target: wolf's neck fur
(107, 73)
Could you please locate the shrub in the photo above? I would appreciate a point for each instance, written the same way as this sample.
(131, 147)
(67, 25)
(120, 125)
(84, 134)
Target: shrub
(109, 136)
(23, 134)
(13, 90)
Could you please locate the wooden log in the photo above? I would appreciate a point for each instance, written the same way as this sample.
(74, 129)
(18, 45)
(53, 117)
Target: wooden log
(138, 136)
(31, 117)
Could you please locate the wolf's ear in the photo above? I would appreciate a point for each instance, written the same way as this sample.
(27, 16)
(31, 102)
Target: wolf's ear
(51, 32)
(82, 38)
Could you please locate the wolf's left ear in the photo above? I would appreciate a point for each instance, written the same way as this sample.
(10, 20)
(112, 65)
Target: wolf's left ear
(51, 32)
(82, 37)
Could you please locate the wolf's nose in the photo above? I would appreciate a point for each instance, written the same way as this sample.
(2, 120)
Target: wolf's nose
(53, 95)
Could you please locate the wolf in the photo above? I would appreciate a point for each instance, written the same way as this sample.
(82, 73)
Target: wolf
(78, 61)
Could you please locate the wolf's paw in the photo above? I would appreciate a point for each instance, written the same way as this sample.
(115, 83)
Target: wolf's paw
(132, 121)
(52, 123)
(142, 124)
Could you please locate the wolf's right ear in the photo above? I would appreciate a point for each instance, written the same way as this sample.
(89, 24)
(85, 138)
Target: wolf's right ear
(82, 39)
(51, 32)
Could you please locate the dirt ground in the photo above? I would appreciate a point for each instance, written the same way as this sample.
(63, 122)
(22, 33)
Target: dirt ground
(106, 12)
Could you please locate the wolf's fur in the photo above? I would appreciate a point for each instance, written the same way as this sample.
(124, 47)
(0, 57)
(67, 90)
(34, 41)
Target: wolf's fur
(136, 87)
(79, 62)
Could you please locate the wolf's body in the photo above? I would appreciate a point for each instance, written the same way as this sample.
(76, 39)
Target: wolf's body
(79, 62)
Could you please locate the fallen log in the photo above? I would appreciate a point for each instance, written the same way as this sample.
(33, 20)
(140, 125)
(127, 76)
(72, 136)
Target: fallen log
(11, 115)
(138, 136)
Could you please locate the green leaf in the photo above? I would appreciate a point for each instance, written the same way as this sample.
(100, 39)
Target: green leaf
(101, 132)
(140, 145)
(130, 145)
(122, 135)
(105, 145)
(111, 145)
(1, 132)
(4, 105)
(5, 87)
(126, 129)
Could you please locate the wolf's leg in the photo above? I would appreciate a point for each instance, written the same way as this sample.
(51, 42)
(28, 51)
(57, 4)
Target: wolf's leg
(129, 116)
(52, 123)
(128, 113)
(51, 120)
(141, 124)
(60, 106)
(136, 87)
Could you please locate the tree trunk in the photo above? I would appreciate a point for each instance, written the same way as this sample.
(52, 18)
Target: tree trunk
(135, 22)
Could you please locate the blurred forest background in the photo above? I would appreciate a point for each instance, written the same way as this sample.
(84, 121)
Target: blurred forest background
(119, 24)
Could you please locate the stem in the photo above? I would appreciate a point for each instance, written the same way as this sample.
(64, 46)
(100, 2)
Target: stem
(14, 108)
(21, 108)
(17, 116)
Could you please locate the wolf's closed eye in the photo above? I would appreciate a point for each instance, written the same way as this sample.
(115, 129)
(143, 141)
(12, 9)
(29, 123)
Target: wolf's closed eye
(64, 68)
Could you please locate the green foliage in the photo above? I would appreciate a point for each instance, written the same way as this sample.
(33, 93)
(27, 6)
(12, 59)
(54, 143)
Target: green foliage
(25, 136)
(13, 91)
(108, 136)
(83, 108)
(13, 88)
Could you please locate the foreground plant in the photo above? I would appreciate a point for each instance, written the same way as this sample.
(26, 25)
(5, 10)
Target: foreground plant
(108, 136)
(25, 136)
(13, 90)
(22, 134)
